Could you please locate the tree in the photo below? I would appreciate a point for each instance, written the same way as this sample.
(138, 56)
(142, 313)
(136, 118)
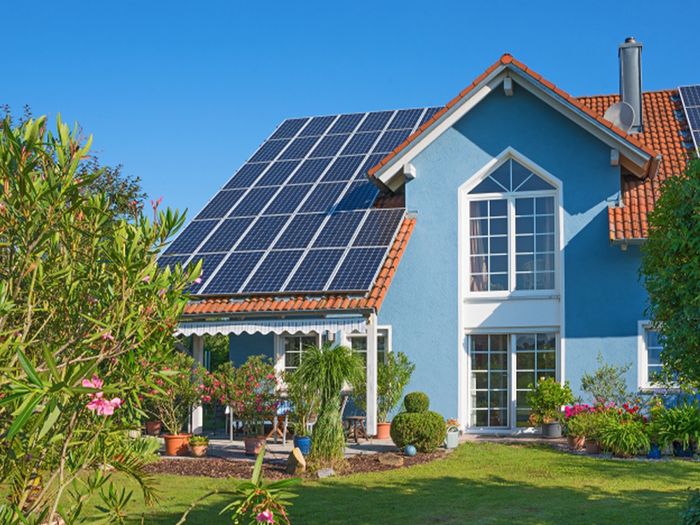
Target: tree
(86, 316)
(671, 273)
(124, 192)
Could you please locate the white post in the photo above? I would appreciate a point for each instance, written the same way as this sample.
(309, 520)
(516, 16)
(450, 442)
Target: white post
(198, 355)
(372, 375)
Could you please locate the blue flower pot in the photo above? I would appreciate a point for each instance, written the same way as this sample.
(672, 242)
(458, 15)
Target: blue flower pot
(303, 443)
(682, 452)
(654, 452)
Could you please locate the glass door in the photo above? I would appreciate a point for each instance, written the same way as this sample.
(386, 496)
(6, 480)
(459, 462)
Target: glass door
(489, 381)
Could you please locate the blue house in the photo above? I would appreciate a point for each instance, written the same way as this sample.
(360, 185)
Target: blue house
(495, 240)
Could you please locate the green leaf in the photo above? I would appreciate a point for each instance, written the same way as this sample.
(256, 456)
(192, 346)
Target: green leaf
(257, 470)
(24, 413)
(50, 421)
(29, 369)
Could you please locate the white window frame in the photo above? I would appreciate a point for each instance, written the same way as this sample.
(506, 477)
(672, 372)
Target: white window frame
(384, 330)
(643, 383)
(466, 198)
(279, 349)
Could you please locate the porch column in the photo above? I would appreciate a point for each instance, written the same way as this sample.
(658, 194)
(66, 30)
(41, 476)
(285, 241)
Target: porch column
(372, 375)
(198, 355)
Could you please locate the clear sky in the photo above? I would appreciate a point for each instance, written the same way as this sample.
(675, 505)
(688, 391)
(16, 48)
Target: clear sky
(181, 93)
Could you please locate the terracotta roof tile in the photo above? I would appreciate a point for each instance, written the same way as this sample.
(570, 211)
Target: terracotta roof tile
(663, 131)
(372, 300)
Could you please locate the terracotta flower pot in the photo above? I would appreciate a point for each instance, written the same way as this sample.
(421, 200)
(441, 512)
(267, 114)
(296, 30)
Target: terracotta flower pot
(177, 444)
(199, 451)
(253, 445)
(153, 428)
(576, 442)
(592, 446)
(383, 430)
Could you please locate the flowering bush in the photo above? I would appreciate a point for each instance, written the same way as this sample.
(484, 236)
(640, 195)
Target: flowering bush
(546, 399)
(250, 391)
(180, 386)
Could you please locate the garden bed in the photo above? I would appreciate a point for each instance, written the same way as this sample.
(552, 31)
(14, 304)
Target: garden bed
(232, 468)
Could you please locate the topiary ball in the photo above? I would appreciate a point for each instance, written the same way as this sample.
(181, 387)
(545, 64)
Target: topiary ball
(409, 450)
(424, 430)
(416, 402)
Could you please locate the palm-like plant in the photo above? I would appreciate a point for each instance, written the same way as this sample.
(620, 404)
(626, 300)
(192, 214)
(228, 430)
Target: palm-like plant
(326, 370)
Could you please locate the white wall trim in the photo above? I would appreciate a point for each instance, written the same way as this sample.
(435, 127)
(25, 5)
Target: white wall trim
(642, 355)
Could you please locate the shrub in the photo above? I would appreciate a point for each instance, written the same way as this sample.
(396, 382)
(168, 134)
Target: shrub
(546, 399)
(199, 440)
(425, 430)
(624, 437)
(680, 424)
(416, 402)
(607, 384)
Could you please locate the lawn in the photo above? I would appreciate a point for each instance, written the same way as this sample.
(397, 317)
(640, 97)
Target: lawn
(478, 483)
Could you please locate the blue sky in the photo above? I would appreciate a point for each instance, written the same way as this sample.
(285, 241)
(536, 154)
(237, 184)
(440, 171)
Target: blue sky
(181, 93)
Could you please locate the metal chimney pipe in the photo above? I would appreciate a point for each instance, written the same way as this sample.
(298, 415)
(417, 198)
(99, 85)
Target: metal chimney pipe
(630, 55)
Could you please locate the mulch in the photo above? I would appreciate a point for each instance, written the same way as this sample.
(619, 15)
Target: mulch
(232, 468)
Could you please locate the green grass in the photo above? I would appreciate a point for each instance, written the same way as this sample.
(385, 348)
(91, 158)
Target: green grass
(478, 483)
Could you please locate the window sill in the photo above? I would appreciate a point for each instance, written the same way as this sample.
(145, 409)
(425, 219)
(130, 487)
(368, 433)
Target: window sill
(514, 296)
(651, 389)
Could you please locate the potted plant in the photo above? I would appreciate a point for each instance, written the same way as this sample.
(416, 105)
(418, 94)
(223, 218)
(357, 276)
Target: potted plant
(392, 377)
(576, 421)
(679, 427)
(178, 391)
(452, 439)
(546, 399)
(251, 392)
(199, 446)
(304, 402)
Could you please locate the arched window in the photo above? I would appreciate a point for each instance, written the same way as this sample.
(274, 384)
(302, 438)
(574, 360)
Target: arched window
(512, 231)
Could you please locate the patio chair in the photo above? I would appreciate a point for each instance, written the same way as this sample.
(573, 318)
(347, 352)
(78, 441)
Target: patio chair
(281, 419)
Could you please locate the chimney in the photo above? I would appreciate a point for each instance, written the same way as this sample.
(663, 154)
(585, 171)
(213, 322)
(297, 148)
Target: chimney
(630, 54)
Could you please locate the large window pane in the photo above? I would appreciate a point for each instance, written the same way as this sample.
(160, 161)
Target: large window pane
(488, 235)
(534, 243)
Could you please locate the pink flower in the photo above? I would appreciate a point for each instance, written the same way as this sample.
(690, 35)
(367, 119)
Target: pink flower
(206, 399)
(107, 336)
(95, 383)
(198, 280)
(265, 516)
(102, 406)
(146, 279)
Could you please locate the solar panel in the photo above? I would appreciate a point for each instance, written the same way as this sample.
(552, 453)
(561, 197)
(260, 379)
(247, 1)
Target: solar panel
(221, 204)
(379, 228)
(361, 194)
(429, 113)
(323, 197)
(273, 272)
(310, 170)
(289, 128)
(690, 97)
(278, 173)
(376, 121)
(232, 274)
(343, 168)
(314, 271)
(191, 237)
(298, 217)
(171, 260)
(288, 199)
(262, 233)
(317, 126)
(226, 235)
(358, 269)
(269, 150)
(339, 230)
(254, 202)
(360, 143)
(245, 177)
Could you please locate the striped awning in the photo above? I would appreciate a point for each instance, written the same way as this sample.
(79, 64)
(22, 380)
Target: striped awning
(274, 326)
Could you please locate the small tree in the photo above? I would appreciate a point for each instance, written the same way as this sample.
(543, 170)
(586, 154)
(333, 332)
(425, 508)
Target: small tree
(607, 384)
(671, 273)
(326, 370)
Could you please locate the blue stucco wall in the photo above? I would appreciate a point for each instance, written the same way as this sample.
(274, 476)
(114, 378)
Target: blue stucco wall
(604, 299)
(242, 346)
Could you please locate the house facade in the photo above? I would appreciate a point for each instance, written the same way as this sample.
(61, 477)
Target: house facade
(510, 223)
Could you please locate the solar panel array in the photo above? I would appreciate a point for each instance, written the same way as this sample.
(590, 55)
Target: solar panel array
(690, 96)
(298, 217)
